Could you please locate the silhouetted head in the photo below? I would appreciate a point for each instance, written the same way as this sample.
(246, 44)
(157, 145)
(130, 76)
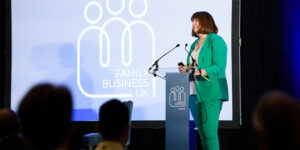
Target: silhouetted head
(45, 116)
(114, 120)
(277, 121)
(9, 124)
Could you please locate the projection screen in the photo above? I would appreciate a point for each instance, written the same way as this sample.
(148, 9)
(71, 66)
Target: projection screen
(102, 49)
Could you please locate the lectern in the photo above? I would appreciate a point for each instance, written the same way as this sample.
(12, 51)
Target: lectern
(178, 132)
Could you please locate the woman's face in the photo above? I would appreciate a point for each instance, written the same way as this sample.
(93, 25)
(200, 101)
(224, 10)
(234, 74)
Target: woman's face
(196, 26)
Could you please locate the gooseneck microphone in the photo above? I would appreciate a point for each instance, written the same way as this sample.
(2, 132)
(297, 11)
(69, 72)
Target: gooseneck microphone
(155, 64)
(194, 64)
(193, 59)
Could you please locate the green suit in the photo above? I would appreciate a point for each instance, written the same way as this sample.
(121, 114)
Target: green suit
(206, 106)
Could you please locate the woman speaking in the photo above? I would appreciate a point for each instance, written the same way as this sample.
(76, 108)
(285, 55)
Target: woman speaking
(208, 90)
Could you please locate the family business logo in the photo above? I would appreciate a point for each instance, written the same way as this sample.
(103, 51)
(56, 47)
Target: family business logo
(177, 97)
(105, 61)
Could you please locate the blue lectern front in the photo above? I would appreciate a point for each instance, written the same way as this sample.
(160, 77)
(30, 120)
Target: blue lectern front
(177, 112)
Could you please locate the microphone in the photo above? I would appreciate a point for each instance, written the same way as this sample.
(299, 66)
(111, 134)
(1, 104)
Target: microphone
(193, 69)
(156, 62)
(181, 64)
(193, 60)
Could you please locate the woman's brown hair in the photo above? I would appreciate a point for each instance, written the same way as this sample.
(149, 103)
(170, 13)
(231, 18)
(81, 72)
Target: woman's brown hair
(206, 23)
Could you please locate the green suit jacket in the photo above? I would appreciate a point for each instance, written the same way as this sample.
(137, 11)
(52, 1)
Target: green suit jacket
(212, 58)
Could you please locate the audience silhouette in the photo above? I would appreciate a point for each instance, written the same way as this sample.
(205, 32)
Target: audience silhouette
(45, 116)
(113, 125)
(9, 131)
(276, 121)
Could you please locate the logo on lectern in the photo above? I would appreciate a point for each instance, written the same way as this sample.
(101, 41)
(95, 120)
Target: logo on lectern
(177, 97)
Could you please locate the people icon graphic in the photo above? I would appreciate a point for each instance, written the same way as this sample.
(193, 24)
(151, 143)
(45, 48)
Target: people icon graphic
(120, 41)
(181, 96)
(177, 97)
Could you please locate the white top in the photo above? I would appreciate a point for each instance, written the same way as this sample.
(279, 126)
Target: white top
(194, 54)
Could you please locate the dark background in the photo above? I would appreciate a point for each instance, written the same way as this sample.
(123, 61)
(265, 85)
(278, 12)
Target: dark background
(269, 61)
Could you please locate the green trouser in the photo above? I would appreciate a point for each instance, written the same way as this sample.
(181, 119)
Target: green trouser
(207, 121)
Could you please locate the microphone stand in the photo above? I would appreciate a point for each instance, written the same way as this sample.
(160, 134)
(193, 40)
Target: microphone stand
(193, 60)
(193, 69)
(192, 76)
(156, 63)
(154, 73)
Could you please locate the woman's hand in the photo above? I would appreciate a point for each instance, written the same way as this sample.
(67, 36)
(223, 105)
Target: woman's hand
(203, 72)
(182, 68)
(196, 73)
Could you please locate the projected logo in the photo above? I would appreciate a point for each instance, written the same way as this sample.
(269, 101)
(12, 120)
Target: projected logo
(177, 97)
(128, 77)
